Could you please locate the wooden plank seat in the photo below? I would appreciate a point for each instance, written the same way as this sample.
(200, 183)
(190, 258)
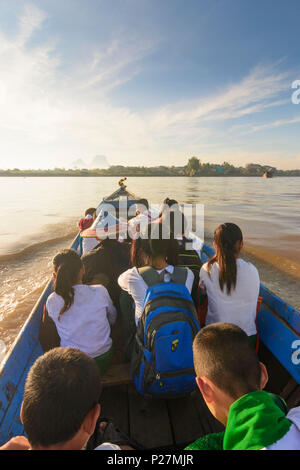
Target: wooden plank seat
(117, 374)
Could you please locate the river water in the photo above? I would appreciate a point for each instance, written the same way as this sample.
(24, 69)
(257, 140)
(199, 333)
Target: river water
(39, 217)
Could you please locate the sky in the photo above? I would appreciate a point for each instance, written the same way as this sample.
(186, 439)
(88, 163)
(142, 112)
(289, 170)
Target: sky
(149, 82)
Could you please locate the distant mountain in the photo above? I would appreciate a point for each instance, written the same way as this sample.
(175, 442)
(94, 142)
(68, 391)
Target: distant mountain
(99, 161)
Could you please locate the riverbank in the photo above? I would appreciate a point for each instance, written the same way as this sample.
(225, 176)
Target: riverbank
(127, 174)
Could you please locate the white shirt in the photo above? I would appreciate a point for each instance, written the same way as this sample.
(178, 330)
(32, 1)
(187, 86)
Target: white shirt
(88, 244)
(291, 440)
(108, 446)
(134, 284)
(86, 324)
(239, 307)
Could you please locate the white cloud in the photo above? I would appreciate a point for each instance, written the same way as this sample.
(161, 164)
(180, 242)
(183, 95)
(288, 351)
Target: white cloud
(274, 124)
(113, 66)
(251, 95)
(41, 107)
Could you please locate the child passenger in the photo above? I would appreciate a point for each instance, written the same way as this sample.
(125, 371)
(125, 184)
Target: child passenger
(157, 252)
(231, 380)
(82, 313)
(231, 284)
(188, 256)
(60, 409)
(160, 254)
(141, 220)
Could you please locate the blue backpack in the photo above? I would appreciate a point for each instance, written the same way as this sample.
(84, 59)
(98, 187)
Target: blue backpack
(162, 360)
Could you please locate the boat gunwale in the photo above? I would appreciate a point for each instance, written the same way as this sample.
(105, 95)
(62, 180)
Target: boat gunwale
(16, 347)
(205, 249)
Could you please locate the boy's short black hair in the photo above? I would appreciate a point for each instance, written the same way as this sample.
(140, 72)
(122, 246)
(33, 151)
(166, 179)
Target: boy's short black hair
(61, 388)
(224, 354)
(90, 211)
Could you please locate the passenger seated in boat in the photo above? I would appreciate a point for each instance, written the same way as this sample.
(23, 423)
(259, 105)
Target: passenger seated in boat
(60, 409)
(105, 263)
(231, 284)
(87, 244)
(82, 314)
(161, 255)
(187, 256)
(231, 380)
(142, 218)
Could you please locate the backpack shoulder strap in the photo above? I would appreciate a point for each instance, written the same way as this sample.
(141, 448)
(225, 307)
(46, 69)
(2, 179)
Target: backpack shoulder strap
(150, 275)
(179, 275)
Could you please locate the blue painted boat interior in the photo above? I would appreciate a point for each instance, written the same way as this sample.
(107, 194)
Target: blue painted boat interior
(278, 327)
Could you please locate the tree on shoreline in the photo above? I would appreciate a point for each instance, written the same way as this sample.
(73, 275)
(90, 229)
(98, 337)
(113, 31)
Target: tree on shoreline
(193, 166)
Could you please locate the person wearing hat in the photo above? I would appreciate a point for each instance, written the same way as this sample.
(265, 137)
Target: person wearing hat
(141, 220)
(108, 259)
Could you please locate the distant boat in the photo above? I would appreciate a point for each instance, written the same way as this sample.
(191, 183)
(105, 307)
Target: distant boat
(267, 174)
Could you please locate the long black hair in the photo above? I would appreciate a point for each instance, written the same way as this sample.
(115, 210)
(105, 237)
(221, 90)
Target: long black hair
(67, 265)
(157, 240)
(226, 238)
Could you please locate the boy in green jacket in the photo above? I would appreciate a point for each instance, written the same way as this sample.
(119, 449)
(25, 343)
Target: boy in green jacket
(231, 380)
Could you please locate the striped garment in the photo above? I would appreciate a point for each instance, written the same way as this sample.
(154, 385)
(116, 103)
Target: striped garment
(190, 259)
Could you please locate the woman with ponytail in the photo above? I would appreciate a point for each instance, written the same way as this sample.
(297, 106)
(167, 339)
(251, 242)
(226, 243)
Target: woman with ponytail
(231, 284)
(82, 313)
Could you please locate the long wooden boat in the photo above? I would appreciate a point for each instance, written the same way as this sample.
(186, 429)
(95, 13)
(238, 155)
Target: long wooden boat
(156, 423)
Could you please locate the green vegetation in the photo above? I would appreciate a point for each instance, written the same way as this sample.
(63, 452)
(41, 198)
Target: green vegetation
(194, 167)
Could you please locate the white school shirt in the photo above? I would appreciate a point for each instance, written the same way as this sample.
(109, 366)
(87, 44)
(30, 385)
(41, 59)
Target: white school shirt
(239, 307)
(291, 440)
(142, 220)
(86, 324)
(134, 284)
(108, 446)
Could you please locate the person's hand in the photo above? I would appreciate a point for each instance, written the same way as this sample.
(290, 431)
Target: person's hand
(16, 443)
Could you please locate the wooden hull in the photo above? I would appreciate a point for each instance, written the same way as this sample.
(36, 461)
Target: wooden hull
(178, 422)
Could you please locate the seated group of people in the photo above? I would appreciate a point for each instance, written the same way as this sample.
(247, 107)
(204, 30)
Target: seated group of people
(90, 289)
